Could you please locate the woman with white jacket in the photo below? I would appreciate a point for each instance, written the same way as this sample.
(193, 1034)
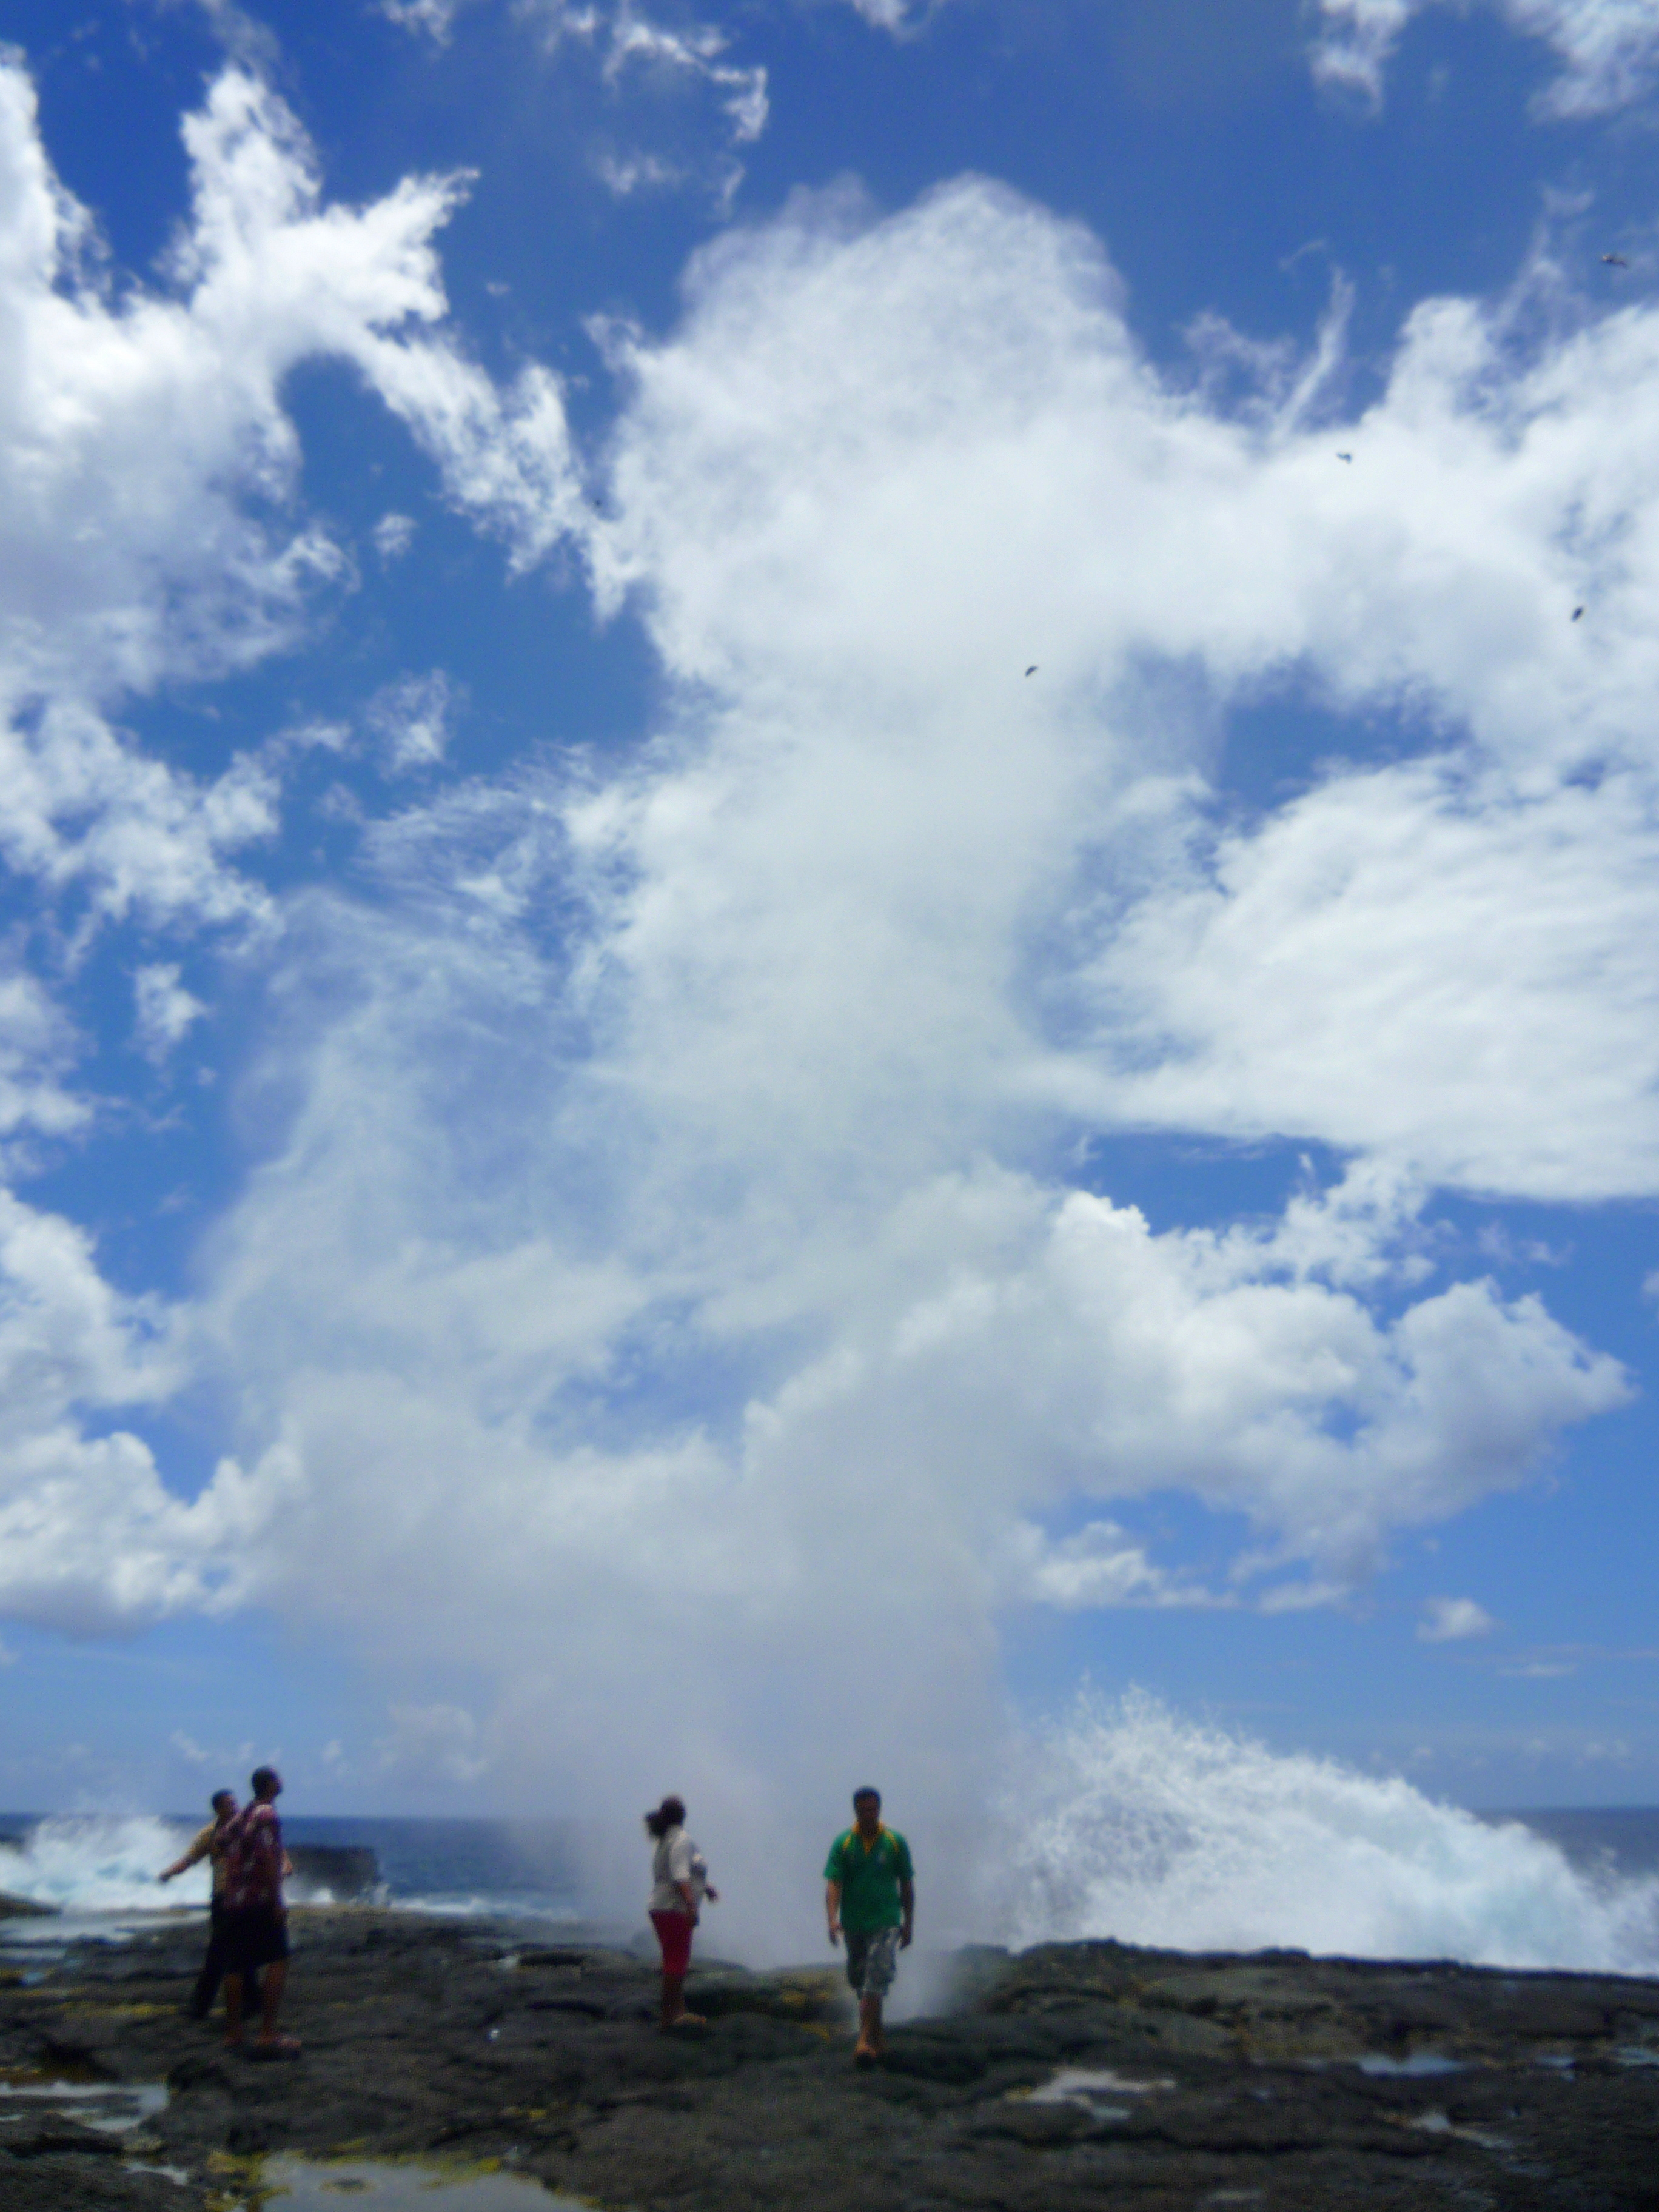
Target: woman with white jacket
(679, 1883)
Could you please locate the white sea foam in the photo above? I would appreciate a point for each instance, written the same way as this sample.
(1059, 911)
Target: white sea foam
(1130, 1822)
(92, 1862)
(1136, 1823)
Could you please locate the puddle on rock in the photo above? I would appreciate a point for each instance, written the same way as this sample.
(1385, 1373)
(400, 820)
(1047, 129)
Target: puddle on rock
(114, 2108)
(1419, 2066)
(303, 2184)
(1086, 2085)
(1442, 2124)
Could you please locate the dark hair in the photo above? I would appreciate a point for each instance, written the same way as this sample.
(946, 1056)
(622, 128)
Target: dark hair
(262, 1777)
(671, 1813)
(866, 1791)
(219, 1797)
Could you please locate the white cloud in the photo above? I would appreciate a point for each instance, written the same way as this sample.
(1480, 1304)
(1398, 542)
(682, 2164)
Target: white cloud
(140, 430)
(635, 172)
(1357, 40)
(895, 15)
(166, 1009)
(432, 19)
(91, 1541)
(1608, 49)
(413, 718)
(393, 535)
(1449, 1620)
(635, 42)
(1099, 1565)
(1458, 978)
(37, 1047)
(672, 62)
(433, 1743)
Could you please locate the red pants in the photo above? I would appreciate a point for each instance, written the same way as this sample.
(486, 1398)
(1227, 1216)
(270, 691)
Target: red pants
(674, 1933)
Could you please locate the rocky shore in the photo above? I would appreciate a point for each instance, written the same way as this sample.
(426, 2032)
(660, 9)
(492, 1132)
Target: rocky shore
(1073, 2075)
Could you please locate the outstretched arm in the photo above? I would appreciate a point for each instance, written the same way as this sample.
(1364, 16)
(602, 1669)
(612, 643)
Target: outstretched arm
(198, 1850)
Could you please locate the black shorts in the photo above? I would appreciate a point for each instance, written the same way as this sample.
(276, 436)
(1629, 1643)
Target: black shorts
(254, 1935)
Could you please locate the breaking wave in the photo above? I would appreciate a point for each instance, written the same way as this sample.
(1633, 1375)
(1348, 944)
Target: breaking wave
(1136, 1823)
(92, 1862)
(1131, 1821)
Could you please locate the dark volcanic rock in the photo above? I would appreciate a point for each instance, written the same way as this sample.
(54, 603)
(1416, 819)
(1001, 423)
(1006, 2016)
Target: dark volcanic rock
(1070, 2076)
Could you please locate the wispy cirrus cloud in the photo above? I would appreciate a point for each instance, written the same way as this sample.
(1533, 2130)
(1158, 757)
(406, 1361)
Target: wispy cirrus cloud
(1608, 50)
(679, 65)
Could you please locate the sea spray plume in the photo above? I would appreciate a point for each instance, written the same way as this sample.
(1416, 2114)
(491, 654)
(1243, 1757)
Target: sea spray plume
(1137, 1823)
(98, 1862)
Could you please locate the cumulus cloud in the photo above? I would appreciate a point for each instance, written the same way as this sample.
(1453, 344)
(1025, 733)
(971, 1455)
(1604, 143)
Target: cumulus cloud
(91, 1538)
(140, 432)
(1608, 49)
(1450, 1619)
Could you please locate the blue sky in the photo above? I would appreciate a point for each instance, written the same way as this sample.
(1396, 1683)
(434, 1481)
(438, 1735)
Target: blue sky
(599, 1092)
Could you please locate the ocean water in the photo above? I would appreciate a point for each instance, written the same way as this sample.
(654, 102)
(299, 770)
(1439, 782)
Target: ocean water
(95, 1864)
(1151, 1830)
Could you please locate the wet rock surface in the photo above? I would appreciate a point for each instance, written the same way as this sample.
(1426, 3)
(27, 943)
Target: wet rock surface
(1072, 2075)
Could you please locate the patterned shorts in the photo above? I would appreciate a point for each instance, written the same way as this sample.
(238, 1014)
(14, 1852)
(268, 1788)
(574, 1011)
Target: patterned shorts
(871, 1960)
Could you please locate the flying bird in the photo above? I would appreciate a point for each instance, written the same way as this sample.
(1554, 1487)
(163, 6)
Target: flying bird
(1032, 670)
(1615, 261)
(1577, 613)
(1344, 457)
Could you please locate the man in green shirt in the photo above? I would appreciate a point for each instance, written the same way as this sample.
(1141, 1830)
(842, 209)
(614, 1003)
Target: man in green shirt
(872, 1901)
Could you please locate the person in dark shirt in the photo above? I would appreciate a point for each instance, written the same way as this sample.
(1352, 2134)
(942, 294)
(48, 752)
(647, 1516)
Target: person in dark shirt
(211, 1843)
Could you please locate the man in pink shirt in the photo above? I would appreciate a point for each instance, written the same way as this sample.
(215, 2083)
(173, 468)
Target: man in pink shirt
(255, 1915)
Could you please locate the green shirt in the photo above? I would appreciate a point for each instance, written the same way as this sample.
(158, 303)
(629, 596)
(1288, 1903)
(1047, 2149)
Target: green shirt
(870, 1879)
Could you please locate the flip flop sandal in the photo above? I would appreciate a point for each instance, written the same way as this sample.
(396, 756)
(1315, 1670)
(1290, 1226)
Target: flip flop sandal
(282, 2046)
